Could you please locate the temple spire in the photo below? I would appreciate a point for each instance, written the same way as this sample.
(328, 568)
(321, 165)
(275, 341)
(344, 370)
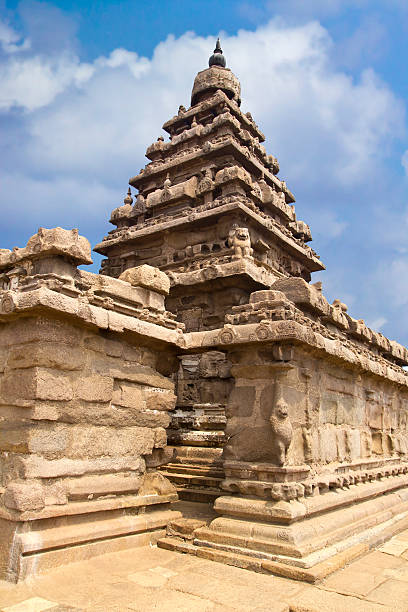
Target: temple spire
(217, 58)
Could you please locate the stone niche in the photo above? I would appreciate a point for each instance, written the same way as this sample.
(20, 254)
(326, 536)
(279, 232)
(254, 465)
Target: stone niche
(196, 430)
(83, 406)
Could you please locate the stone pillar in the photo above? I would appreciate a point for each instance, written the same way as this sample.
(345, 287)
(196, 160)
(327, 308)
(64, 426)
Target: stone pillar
(258, 436)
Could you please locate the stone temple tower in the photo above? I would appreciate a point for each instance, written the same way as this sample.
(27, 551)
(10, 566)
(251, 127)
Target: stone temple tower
(222, 370)
(211, 213)
(210, 210)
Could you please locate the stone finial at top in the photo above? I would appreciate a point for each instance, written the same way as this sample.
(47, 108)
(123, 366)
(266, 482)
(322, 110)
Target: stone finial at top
(128, 198)
(216, 77)
(217, 58)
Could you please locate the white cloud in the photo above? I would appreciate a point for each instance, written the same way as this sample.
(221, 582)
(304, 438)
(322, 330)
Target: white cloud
(34, 82)
(315, 116)
(377, 324)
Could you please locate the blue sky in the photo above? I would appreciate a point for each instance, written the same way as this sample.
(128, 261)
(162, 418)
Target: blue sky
(86, 86)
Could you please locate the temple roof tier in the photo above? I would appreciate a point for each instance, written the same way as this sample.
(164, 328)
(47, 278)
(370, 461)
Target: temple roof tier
(133, 234)
(196, 131)
(206, 109)
(153, 175)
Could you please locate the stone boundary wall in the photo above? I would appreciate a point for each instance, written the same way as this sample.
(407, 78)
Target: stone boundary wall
(83, 406)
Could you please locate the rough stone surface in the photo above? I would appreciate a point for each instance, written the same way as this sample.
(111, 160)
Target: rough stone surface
(157, 579)
(82, 407)
(148, 277)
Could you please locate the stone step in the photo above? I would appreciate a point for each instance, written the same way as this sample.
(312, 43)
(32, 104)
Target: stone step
(245, 562)
(194, 470)
(199, 495)
(192, 479)
(312, 575)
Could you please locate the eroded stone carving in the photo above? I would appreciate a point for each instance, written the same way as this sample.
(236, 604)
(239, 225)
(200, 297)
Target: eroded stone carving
(281, 430)
(240, 241)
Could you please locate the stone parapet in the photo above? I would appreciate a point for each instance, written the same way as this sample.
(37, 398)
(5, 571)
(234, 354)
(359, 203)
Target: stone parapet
(56, 242)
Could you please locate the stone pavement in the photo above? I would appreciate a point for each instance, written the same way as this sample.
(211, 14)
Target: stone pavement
(153, 579)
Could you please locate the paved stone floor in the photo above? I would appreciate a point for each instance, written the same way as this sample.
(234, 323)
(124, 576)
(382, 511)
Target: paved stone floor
(154, 579)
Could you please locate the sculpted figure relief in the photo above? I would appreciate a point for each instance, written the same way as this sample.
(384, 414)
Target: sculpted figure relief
(282, 430)
(265, 433)
(240, 240)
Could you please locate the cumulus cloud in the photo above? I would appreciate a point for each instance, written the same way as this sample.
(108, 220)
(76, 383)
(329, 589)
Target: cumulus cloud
(30, 83)
(315, 116)
(75, 131)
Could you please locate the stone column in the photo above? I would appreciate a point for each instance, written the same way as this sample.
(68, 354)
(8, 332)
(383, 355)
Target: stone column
(258, 436)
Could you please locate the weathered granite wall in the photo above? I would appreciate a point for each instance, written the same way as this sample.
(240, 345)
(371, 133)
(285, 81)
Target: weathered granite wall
(83, 406)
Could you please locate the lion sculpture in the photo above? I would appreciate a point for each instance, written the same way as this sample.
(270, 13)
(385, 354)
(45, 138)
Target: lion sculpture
(282, 430)
(240, 240)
